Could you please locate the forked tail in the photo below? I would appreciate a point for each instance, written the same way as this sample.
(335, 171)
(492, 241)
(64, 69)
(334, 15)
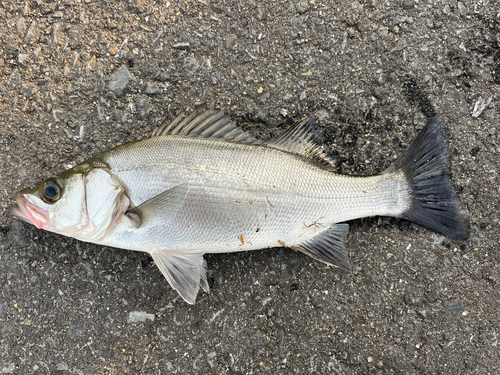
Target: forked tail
(434, 203)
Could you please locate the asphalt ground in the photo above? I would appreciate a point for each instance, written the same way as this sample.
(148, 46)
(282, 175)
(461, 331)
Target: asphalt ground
(79, 77)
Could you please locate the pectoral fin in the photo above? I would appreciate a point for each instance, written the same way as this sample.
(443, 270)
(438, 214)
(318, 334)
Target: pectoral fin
(329, 246)
(184, 271)
(160, 207)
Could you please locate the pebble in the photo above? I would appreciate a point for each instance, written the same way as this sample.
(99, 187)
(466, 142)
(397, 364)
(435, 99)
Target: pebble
(112, 50)
(32, 34)
(302, 6)
(21, 58)
(119, 80)
(28, 89)
(8, 368)
(453, 308)
(231, 41)
(322, 117)
(21, 26)
(76, 330)
(181, 45)
(481, 105)
(191, 65)
(61, 366)
(383, 31)
(151, 88)
(139, 316)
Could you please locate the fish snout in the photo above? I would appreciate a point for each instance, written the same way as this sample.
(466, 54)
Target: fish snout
(28, 212)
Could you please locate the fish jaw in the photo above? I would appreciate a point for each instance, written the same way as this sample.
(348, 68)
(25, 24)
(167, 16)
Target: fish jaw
(28, 212)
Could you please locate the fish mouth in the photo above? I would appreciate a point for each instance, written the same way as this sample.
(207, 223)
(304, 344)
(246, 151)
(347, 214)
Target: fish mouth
(28, 212)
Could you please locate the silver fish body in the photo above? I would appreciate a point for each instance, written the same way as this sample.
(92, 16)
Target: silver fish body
(203, 186)
(267, 195)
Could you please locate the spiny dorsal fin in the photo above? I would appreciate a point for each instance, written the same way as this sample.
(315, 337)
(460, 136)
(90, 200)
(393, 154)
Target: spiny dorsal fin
(304, 139)
(206, 124)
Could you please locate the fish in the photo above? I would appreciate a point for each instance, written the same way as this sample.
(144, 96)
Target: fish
(200, 184)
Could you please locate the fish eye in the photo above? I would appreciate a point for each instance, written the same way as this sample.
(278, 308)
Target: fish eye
(51, 191)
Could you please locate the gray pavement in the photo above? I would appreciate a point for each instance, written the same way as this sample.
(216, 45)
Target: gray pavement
(79, 77)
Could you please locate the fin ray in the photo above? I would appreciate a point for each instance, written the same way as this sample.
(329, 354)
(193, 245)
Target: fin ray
(426, 166)
(159, 207)
(329, 246)
(304, 139)
(205, 124)
(185, 271)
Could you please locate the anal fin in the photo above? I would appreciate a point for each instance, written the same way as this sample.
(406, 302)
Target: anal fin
(329, 246)
(185, 271)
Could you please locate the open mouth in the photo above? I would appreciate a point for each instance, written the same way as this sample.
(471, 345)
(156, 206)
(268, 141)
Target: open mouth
(28, 212)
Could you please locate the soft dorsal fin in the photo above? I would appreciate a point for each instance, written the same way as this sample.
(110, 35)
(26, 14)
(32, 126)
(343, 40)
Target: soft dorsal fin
(304, 139)
(206, 124)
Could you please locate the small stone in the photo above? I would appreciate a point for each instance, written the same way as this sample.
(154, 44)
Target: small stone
(112, 50)
(481, 105)
(231, 41)
(287, 97)
(181, 45)
(28, 89)
(61, 366)
(303, 95)
(47, 8)
(323, 117)
(423, 313)
(119, 80)
(453, 308)
(383, 31)
(32, 34)
(139, 316)
(446, 9)
(462, 8)
(21, 58)
(302, 6)
(492, 131)
(8, 368)
(191, 65)
(58, 14)
(260, 90)
(21, 26)
(151, 88)
(370, 359)
(261, 117)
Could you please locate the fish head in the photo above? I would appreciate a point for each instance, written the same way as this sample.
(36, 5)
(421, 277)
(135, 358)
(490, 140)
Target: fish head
(81, 202)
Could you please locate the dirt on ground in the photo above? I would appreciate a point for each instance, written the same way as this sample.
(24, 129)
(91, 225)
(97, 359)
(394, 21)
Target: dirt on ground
(78, 77)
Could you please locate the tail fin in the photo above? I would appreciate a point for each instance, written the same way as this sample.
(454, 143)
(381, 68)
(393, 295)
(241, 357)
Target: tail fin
(434, 203)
